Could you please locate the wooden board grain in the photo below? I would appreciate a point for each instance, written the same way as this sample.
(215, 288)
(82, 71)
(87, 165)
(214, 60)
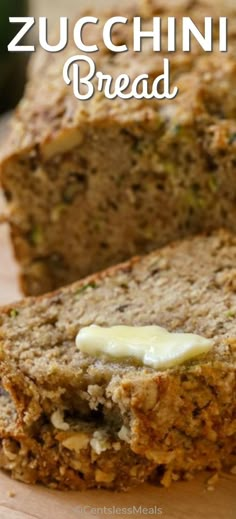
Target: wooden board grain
(184, 500)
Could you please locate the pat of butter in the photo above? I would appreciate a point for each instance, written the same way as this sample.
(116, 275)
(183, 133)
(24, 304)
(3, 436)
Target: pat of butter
(152, 345)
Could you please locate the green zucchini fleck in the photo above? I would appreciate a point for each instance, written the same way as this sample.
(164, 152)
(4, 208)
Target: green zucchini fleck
(82, 289)
(14, 313)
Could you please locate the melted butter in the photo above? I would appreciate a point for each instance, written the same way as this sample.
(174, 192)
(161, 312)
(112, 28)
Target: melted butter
(151, 345)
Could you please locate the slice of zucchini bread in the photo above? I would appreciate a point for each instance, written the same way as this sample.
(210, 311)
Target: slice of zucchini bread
(92, 183)
(181, 419)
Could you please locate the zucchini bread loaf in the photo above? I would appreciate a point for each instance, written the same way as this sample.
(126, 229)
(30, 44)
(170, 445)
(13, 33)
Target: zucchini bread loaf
(85, 420)
(92, 183)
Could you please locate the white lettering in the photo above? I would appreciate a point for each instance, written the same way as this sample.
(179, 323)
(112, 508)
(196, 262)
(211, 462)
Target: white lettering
(165, 77)
(139, 34)
(107, 34)
(78, 34)
(43, 34)
(105, 83)
(223, 34)
(141, 87)
(141, 80)
(76, 79)
(171, 34)
(189, 28)
(28, 23)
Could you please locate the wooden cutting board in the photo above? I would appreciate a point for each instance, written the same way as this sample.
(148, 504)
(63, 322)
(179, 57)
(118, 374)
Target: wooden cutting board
(184, 500)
